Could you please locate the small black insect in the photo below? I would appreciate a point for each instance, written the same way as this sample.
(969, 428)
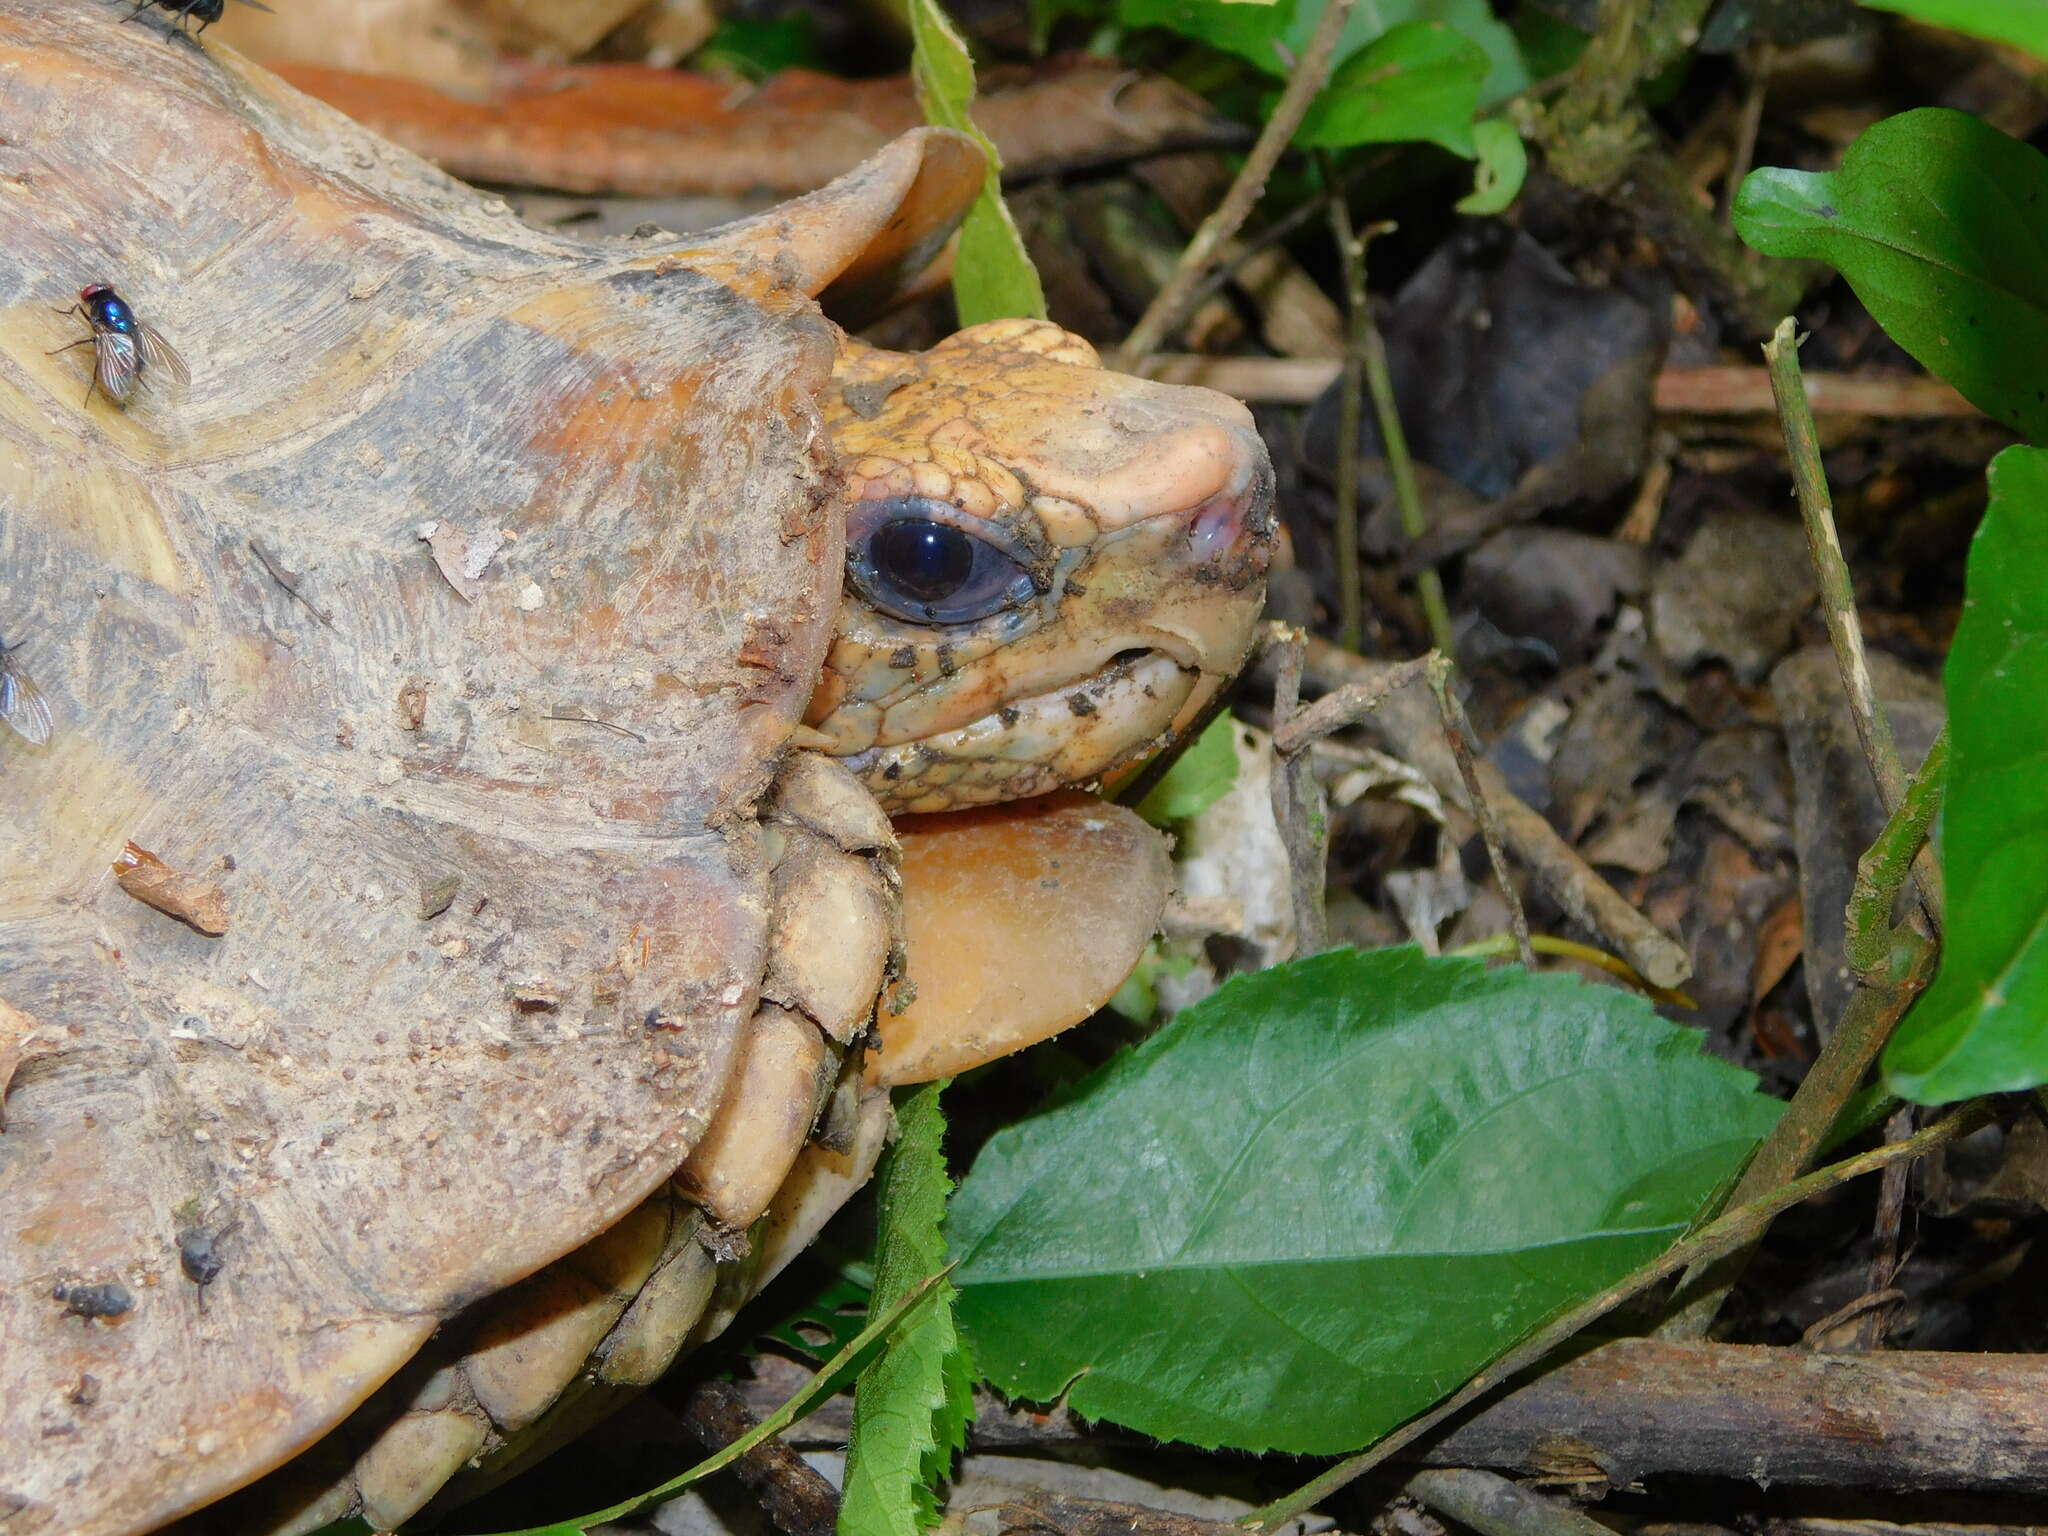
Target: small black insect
(22, 704)
(123, 345)
(109, 1299)
(199, 1256)
(208, 11)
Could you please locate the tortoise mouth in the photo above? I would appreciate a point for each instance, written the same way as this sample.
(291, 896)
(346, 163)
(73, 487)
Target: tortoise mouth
(1065, 734)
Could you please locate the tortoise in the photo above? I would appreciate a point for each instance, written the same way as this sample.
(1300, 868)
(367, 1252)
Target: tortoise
(448, 942)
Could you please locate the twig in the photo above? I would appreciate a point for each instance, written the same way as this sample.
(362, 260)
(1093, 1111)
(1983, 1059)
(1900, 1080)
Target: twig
(1763, 58)
(1458, 730)
(1638, 1408)
(1297, 799)
(1714, 390)
(1344, 707)
(1408, 725)
(1350, 408)
(1884, 1255)
(1802, 1130)
(1429, 586)
(1867, 924)
(1493, 1506)
(1169, 305)
(290, 582)
(1569, 949)
(796, 1499)
(1737, 1229)
(586, 720)
(1838, 591)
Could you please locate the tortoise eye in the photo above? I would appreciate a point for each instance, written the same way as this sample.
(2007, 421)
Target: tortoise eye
(914, 561)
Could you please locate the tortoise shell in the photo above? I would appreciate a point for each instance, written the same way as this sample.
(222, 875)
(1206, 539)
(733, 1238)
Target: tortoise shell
(392, 906)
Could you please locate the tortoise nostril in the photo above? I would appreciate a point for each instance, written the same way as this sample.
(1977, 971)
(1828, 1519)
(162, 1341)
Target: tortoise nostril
(1215, 526)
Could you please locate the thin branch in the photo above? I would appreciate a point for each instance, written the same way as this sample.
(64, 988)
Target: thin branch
(1802, 1130)
(1298, 800)
(1493, 1506)
(1409, 727)
(1344, 707)
(1837, 590)
(1735, 1230)
(1170, 305)
(1459, 732)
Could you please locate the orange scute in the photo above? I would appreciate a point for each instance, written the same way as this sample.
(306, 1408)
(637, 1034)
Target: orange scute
(1019, 921)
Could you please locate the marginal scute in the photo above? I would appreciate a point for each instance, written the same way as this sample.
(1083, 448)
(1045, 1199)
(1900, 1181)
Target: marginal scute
(411, 1460)
(834, 922)
(816, 792)
(735, 1170)
(651, 1334)
(543, 1329)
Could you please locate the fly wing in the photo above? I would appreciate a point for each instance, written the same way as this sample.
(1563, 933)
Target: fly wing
(258, 5)
(117, 363)
(23, 706)
(159, 353)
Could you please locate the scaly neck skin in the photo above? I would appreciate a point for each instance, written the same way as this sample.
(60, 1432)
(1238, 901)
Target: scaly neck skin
(1120, 531)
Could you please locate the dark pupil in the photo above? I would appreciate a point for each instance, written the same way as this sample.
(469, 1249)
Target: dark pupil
(927, 562)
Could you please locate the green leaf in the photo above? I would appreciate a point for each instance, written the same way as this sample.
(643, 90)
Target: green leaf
(1940, 224)
(1320, 1199)
(1199, 777)
(1983, 1025)
(1254, 30)
(913, 1403)
(1419, 82)
(993, 278)
(1503, 167)
(1271, 36)
(2023, 23)
(758, 49)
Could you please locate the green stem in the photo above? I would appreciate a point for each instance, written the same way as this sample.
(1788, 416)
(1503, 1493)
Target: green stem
(1379, 383)
(1802, 1131)
(1883, 867)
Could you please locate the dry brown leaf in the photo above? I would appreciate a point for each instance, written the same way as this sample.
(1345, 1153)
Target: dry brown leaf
(636, 130)
(462, 557)
(196, 900)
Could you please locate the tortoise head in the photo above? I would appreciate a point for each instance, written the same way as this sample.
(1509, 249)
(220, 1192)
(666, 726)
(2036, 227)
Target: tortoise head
(1051, 568)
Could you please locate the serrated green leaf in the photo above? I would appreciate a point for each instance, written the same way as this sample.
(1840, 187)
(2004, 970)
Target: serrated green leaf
(993, 278)
(1199, 777)
(1417, 83)
(912, 1404)
(1982, 1027)
(1940, 224)
(2023, 23)
(1319, 1200)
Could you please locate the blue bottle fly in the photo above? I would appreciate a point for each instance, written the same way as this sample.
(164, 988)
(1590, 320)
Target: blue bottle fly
(123, 345)
(206, 12)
